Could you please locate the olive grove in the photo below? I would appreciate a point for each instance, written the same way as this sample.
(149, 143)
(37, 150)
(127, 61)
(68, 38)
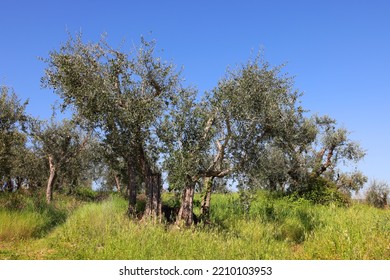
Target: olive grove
(133, 121)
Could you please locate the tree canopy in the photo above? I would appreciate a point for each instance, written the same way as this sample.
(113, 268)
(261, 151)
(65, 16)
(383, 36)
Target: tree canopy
(120, 95)
(133, 121)
(12, 137)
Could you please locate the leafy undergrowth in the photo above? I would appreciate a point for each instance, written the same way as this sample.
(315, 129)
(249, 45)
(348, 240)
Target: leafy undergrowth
(268, 228)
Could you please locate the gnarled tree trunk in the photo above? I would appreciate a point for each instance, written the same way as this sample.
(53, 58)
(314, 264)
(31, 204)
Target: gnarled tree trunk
(187, 204)
(50, 182)
(153, 187)
(153, 196)
(117, 183)
(132, 187)
(205, 205)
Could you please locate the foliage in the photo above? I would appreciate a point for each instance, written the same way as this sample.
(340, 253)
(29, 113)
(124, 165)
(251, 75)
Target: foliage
(12, 137)
(66, 143)
(268, 139)
(308, 162)
(185, 141)
(228, 132)
(12, 111)
(336, 147)
(121, 96)
(377, 194)
(171, 200)
(68, 151)
(87, 194)
(254, 105)
(322, 191)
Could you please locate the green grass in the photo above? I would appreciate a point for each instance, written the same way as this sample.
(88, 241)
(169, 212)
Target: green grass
(268, 228)
(359, 232)
(20, 225)
(24, 217)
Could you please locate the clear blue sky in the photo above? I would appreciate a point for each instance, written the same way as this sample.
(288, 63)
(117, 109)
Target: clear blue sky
(339, 51)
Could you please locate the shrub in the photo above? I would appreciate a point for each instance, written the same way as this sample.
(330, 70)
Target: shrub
(170, 207)
(86, 194)
(377, 194)
(171, 200)
(19, 201)
(12, 201)
(322, 191)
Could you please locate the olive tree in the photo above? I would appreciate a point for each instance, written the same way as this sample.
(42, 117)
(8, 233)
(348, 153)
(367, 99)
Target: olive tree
(328, 157)
(255, 106)
(12, 136)
(186, 136)
(261, 134)
(62, 144)
(313, 156)
(121, 95)
(228, 131)
(377, 194)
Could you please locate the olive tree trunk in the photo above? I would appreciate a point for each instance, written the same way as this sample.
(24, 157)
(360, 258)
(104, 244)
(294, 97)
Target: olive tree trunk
(153, 187)
(206, 199)
(50, 181)
(132, 188)
(117, 183)
(185, 215)
(153, 196)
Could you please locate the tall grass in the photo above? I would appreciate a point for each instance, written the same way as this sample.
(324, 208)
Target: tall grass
(359, 232)
(267, 228)
(20, 225)
(23, 216)
(102, 231)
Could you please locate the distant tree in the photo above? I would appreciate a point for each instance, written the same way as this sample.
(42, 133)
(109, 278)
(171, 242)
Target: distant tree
(12, 137)
(29, 168)
(331, 149)
(121, 96)
(311, 154)
(264, 138)
(377, 194)
(62, 144)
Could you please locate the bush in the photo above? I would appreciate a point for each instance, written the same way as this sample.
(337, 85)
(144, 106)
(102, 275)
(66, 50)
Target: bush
(319, 190)
(86, 194)
(171, 200)
(20, 201)
(12, 201)
(377, 194)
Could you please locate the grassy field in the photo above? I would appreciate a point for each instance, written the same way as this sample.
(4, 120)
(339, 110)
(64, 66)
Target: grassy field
(268, 228)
